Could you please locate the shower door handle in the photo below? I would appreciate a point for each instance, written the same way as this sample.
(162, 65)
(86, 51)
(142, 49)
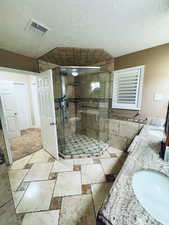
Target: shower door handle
(52, 124)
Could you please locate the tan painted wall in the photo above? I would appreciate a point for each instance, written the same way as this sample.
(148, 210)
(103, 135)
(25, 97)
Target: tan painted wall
(156, 77)
(16, 61)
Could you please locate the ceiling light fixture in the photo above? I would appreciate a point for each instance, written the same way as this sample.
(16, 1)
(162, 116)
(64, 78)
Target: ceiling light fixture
(75, 73)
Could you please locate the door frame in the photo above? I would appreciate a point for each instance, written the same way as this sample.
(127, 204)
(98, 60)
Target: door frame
(5, 133)
(35, 107)
(8, 148)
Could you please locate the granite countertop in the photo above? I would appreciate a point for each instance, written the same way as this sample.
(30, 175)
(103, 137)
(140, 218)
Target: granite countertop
(121, 206)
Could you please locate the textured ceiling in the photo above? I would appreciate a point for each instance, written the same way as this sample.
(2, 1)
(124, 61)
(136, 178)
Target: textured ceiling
(76, 56)
(117, 26)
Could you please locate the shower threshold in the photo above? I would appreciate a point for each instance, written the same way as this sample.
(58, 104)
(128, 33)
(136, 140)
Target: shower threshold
(78, 146)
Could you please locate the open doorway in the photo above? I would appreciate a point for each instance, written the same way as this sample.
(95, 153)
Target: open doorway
(19, 102)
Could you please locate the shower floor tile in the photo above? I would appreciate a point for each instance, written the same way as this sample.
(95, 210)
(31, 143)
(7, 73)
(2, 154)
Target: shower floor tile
(82, 145)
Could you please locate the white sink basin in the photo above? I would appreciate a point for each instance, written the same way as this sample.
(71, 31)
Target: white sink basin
(152, 190)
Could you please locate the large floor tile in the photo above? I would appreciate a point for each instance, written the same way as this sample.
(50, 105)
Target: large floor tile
(63, 166)
(8, 214)
(77, 210)
(39, 171)
(92, 174)
(20, 163)
(111, 166)
(68, 183)
(37, 197)
(5, 189)
(40, 156)
(83, 161)
(16, 177)
(42, 218)
(99, 192)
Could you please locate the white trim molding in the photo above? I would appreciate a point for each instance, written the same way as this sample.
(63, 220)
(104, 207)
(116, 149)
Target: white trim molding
(7, 69)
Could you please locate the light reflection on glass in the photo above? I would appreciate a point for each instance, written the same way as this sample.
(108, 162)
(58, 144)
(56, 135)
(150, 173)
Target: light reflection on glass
(95, 85)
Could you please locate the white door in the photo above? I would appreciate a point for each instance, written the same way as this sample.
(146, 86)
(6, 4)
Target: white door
(47, 112)
(9, 109)
(23, 105)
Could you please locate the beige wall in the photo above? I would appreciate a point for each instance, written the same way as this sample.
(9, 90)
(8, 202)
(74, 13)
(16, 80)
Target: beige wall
(16, 61)
(156, 77)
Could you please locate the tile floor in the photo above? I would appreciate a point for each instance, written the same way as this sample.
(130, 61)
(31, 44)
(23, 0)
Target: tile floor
(65, 192)
(76, 145)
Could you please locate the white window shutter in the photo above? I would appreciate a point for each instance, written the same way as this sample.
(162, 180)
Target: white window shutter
(127, 88)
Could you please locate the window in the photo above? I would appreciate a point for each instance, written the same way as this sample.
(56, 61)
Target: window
(127, 88)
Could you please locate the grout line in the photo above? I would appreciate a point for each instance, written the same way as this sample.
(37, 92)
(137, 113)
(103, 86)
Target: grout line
(60, 212)
(35, 181)
(9, 200)
(21, 198)
(24, 190)
(102, 168)
(51, 169)
(30, 154)
(69, 196)
(94, 208)
(50, 153)
(53, 189)
(81, 178)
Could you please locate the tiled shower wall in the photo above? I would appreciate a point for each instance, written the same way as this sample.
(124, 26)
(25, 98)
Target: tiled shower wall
(117, 133)
(67, 127)
(120, 132)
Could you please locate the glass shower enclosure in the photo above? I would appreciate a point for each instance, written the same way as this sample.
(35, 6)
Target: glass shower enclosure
(82, 97)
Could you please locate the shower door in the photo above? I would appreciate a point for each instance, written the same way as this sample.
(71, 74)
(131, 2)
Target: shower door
(63, 105)
(93, 94)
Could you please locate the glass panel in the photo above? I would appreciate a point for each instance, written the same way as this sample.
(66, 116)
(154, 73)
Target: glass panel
(82, 111)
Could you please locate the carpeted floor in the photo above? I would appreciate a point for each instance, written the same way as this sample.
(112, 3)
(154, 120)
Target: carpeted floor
(29, 141)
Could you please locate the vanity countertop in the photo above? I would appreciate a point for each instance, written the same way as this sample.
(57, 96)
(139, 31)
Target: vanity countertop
(121, 206)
